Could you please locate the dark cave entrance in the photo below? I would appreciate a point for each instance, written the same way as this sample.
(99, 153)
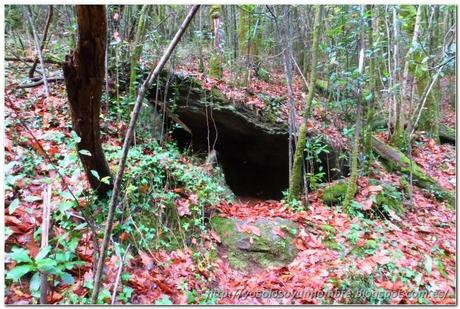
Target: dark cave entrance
(254, 161)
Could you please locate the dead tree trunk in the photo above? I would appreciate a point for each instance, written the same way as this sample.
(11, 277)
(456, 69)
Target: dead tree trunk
(84, 78)
(397, 161)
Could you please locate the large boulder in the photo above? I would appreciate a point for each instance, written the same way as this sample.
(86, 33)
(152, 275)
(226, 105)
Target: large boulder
(261, 243)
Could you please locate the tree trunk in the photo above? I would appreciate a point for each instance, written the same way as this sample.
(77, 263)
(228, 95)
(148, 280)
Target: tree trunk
(44, 36)
(296, 176)
(429, 120)
(137, 49)
(446, 134)
(397, 138)
(396, 160)
(84, 78)
(352, 187)
(370, 107)
(215, 63)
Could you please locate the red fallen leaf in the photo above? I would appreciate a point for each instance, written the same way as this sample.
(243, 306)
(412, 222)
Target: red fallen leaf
(33, 248)
(251, 229)
(374, 188)
(124, 236)
(54, 297)
(367, 204)
(147, 260)
(12, 220)
(8, 143)
(387, 285)
(180, 191)
(299, 243)
(382, 260)
(278, 231)
(164, 287)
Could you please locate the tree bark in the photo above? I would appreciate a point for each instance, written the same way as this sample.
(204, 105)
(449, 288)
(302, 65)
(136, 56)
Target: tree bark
(352, 186)
(84, 78)
(138, 46)
(296, 176)
(127, 142)
(215, 62)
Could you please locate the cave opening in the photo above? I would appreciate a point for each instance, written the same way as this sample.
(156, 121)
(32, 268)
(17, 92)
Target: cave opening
(254, 161)
(254, 164)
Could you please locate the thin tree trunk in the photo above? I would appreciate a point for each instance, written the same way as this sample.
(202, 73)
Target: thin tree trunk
(287, 56)
(215, 62)
(138, 47)
(296, 176)
(406, 84)
(84, 72)
(44, 36)
(127, 142)
(352, 187)
(398, 133)
(38, 50)
(372, 90)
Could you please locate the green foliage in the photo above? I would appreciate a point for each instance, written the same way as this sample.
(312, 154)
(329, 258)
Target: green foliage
(57, 264)
(334, 194)
(385, 204)
(215, 66)
(362, 290)
(13, 16)
(165, 300)
(162, 182)
(314, 148)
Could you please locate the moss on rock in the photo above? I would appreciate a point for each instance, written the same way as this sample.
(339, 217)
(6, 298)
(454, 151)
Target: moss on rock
(335, 193)
(269, 244)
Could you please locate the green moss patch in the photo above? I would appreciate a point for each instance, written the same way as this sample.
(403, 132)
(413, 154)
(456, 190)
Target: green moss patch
(335, 193)
(263, 243)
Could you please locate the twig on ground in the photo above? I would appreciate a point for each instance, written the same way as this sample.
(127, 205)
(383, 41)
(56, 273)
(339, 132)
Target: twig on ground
(44, 241)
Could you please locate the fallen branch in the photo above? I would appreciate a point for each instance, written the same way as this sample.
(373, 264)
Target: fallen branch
(44, 241)
(39, 52)
(120, 268)
(30, 60)
(446, 134)
(127, 142)
(397, 161)
(40, 82)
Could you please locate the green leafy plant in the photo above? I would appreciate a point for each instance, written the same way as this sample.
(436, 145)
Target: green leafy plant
(57, 265)
(314, 148)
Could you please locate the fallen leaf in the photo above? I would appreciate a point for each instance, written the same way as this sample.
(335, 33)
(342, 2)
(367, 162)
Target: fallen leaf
(251, 229)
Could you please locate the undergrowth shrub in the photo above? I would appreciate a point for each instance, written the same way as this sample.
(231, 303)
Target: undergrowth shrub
(165, 192)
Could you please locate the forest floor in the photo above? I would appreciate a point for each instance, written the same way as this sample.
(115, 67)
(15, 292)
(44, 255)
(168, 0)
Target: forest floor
(413, 253)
